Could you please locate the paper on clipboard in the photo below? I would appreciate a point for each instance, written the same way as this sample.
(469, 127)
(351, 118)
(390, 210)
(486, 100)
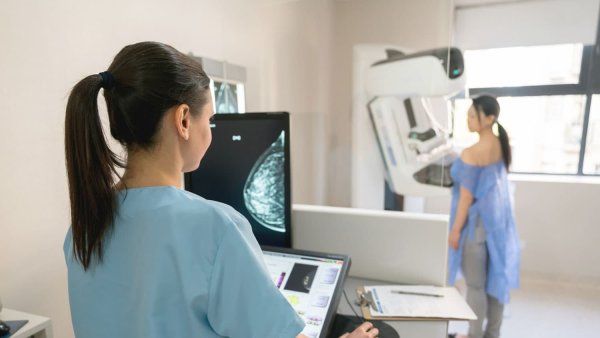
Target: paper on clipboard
(394, 306)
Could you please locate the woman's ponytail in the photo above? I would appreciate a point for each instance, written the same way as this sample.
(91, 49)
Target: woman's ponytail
(505, 144)
(142, 83)
(489, 106)
(90, 168)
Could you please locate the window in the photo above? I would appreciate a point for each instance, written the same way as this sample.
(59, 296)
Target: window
(544, 131)
(592, 151)
(545, 73)
(550, 105)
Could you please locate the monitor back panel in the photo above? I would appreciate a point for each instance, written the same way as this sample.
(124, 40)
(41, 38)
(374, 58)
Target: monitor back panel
(392, 246)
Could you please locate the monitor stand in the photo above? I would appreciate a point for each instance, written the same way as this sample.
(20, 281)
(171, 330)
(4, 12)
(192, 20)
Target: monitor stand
(343, 324)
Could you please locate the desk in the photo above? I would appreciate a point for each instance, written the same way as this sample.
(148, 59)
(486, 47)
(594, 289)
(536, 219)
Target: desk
(37, 327)
(406, 329)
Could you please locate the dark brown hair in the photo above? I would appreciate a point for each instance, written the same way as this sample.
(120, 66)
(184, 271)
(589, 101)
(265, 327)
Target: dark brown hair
(144, 80)
(489, 106)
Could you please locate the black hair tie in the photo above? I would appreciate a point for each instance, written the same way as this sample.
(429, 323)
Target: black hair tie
(108, 81)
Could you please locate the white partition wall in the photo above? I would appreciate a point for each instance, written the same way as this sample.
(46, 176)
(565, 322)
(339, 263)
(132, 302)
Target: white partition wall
(383, 245)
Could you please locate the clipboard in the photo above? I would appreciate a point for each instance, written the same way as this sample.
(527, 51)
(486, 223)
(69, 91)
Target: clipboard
(366, 301)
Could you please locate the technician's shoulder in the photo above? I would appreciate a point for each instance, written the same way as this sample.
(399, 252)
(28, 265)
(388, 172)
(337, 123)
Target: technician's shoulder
(213, 212)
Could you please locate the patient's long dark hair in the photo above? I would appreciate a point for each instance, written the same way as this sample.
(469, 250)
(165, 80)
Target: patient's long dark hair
(143, 81)
(489, 106)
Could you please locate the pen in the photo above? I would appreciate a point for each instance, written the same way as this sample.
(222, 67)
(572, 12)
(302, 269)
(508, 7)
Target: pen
(416, 293)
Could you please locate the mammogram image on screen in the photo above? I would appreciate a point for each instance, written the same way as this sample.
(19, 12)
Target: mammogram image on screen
(301, 278)
(264, 191)
(246, 167)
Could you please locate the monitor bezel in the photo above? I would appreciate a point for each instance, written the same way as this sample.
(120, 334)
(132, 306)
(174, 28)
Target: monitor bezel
(252, 116)
(339, 287)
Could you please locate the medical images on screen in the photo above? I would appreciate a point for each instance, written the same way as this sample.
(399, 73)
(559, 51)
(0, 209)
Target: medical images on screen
(308, 285)
(264, 191)
(301, 278)
(245, 167)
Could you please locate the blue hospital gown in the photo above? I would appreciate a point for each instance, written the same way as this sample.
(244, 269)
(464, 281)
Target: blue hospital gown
(177, 265)
(493, 205)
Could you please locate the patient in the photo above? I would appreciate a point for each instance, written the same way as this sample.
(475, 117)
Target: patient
(483, 238)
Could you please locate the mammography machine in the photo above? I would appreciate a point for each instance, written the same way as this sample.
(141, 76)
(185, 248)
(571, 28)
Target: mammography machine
(405, 97)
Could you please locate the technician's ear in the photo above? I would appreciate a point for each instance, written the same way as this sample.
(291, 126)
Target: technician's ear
(182, 121)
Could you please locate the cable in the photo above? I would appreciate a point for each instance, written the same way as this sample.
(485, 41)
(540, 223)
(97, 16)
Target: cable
(360, 318)
(352, 307)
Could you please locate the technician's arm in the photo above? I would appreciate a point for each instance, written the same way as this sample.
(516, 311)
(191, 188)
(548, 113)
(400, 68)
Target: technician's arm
(462, 210)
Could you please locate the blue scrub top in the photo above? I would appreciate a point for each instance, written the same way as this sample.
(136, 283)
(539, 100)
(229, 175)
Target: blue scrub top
(493, 205)
(177, 265)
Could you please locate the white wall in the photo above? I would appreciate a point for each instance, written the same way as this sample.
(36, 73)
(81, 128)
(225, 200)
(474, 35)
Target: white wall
(413, 24)
(557, 220)
(47, 46)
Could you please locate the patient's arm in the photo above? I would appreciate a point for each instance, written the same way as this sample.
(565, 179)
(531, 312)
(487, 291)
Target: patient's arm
(462, 211)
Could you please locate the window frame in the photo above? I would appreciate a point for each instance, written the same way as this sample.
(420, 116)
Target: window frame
(589, 84)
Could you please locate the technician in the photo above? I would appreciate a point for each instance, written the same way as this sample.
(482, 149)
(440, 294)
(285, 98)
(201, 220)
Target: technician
(483, 238)
(146, 258)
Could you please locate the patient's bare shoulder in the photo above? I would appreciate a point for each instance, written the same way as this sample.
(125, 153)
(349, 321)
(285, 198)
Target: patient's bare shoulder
(469, 155)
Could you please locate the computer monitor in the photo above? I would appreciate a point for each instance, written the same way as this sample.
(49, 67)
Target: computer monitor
(312, 283)
(248, 167)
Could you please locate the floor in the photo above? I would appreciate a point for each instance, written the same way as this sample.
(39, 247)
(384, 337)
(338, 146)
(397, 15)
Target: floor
(547, 309)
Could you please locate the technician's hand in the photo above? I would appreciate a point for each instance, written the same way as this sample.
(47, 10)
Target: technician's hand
(454, 239)
(366, 330)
